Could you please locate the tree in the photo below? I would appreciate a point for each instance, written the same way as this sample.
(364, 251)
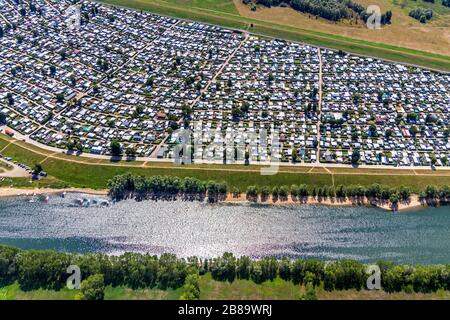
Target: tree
(252, 193)
(413, 131)
(93, 288)
(355, 157)
(373, 130)
(404, 193)
(37, 168)
(295, 155)
(8, 265)
(149, 82)
(52, 70)
(224, 268)
(10, 98)
(412, 117)
(265, 192)
(79, 146)
(394, 198)
(138, 111)
(116, 148)
(243, 267)
(236, 113)
(2, 118)
(433, 159)
(70, 144)
(310, 293)
(42, 269)
(283, 192)
(130, 152)
(431, 192)
(60, 97)
(191, 288)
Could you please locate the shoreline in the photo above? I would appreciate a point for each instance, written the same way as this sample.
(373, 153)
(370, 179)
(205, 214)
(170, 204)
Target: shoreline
(412, 204)
(20, 192)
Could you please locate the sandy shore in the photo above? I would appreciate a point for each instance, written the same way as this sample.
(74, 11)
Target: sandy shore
(11, 192)
(412, 204)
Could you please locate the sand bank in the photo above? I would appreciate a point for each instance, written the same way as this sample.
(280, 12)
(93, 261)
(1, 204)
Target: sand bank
(414, 202)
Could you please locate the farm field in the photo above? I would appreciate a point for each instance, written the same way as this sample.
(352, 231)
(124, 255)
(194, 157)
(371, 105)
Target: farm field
(286, 23)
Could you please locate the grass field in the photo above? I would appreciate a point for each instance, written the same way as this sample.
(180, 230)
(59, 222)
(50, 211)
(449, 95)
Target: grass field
(220, 14)
(215, 290)
(404, 31)
(65, 171)
(216, 5)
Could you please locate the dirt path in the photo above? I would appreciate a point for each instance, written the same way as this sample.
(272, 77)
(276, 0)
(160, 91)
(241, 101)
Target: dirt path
(319, 105)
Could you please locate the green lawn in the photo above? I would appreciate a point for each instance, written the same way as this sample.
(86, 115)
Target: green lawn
(216, 5)
(220, 16)
(13, 292)
(249, 290)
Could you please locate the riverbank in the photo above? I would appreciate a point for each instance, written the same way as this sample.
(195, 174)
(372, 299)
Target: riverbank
(413, 203)
(13, 192)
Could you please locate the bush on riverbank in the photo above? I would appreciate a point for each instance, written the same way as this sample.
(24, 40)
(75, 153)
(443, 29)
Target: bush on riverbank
(47, 270)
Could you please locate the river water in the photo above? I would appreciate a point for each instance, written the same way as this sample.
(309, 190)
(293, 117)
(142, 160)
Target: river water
(208, 230)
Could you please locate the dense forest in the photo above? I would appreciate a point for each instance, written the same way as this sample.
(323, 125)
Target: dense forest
(334, 10)
(48, 270)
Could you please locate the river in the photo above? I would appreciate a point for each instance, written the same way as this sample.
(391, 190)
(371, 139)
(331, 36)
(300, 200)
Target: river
(208, 230)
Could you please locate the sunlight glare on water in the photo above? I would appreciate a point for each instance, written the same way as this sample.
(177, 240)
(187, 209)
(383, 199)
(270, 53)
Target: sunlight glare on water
(205, 230)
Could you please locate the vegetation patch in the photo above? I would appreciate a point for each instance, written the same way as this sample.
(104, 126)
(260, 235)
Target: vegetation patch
(44, 273)
(333, 10)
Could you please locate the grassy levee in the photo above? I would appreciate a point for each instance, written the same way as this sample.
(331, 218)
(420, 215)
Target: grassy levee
(65, 170)
(361, 47)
